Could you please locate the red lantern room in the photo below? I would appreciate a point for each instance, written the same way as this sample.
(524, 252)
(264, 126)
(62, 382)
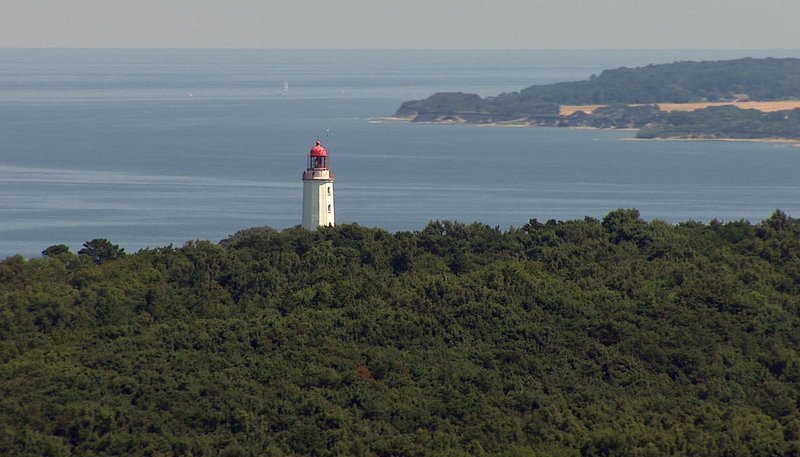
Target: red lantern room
(318, 158)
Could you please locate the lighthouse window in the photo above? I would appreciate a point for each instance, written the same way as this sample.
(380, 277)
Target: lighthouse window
(329, 208)
(329, 190)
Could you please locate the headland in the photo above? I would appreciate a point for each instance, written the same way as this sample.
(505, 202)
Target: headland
(744, 99)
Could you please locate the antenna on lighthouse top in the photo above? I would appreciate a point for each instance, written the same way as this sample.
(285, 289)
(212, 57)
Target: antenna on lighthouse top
(328, 144)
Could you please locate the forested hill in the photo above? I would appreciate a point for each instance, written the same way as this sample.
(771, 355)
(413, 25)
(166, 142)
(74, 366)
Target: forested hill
(756, 79)
(587, 337)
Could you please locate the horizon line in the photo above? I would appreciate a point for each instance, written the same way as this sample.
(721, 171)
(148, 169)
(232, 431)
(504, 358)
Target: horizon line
(168, 48)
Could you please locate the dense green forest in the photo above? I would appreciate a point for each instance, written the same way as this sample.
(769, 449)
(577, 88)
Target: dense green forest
(612, 337)
(679, 82)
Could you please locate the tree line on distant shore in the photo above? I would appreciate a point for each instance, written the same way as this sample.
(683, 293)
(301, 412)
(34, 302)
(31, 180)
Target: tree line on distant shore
(587, 337)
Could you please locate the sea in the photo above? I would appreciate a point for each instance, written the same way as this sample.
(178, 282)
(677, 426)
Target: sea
(149, 148)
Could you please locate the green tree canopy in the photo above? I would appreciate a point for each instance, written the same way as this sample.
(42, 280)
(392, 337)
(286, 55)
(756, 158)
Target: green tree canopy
(101, 250)
(619, 336)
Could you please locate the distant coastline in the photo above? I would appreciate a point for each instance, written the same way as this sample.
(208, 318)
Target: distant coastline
(795, 142)
(698, 133)
(525, 124)
(746, 99)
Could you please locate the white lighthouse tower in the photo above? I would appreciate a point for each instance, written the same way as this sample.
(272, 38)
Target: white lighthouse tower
(317, 190)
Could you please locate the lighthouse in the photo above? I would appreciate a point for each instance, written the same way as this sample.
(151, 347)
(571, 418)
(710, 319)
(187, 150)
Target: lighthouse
(317, 190)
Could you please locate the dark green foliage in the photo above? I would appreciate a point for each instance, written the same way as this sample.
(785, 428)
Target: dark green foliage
(680, 82)
(56, 250)
(592, 337)
(99, 250)
(447, 102)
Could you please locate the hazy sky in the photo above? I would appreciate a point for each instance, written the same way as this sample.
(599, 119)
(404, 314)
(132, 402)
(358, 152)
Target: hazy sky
(472, 24)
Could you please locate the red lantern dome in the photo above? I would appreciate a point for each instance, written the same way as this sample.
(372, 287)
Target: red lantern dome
(317, 159)
(318, 151)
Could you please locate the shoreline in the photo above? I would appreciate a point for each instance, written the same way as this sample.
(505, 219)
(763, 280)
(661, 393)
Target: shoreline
(794, 142)
(391, 118)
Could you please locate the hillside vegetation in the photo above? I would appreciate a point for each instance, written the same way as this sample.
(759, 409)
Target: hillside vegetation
(723, 122)
(588, 337)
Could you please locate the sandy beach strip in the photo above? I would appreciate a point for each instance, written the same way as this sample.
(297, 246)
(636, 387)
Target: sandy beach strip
(766, 107)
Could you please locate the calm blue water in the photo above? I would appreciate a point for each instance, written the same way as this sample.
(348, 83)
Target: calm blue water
(152, 147)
